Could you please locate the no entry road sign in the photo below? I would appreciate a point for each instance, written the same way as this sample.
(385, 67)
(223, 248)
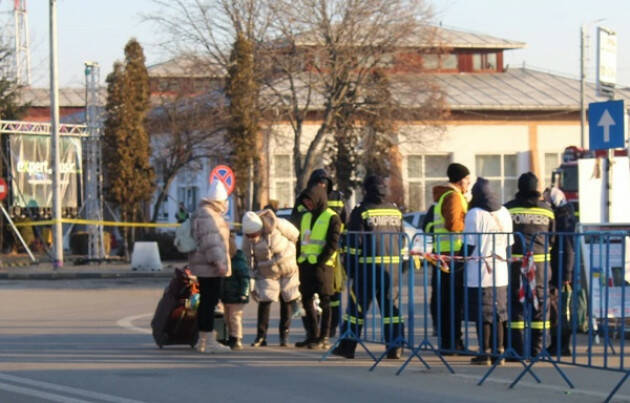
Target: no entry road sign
(4, 189)
(225, 175)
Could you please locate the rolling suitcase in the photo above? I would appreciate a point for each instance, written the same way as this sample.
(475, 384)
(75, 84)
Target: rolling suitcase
(175, 318)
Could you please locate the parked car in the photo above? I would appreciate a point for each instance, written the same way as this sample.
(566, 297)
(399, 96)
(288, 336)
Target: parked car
(414, 218)
(284, 213)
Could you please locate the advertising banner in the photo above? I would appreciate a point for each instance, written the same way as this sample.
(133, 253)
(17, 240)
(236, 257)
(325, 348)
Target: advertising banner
(31, 170)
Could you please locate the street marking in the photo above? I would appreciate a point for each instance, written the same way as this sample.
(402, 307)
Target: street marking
(64, 389)
(553, 388)
(42, 395)
(127, 323)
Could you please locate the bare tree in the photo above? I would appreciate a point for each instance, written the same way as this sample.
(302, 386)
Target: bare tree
(328, 52)
(185, 130)
(313, 59)
(204, 32)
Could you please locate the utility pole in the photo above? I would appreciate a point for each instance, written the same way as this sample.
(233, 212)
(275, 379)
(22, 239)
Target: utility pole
(54, 138)
(582, 84)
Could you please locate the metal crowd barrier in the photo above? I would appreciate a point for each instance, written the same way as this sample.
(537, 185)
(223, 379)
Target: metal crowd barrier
(379, 309)
(388, 299)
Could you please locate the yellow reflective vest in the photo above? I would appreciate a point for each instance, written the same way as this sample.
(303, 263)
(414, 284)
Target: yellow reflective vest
(313, 240)
(447, 243)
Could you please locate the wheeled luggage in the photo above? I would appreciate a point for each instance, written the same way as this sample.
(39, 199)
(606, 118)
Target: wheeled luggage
(175, 318)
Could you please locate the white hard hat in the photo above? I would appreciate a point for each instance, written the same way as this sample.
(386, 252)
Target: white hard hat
(251, 223)
(217, 191)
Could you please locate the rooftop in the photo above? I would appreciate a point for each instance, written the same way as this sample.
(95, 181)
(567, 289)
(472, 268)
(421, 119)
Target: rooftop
(40, 97)
(518, 89)
(436, 36)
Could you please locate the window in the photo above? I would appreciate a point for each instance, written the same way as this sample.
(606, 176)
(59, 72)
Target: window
(163, 212)
(430, 62)
(282, 166)
(552, 162)
(501, 171)
(189, 195)
(424, 172)
(449, 61)
(485, 61)
(435, 62)
(283, 180)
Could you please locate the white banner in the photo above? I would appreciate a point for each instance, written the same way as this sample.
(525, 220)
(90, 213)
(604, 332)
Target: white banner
(31, 170)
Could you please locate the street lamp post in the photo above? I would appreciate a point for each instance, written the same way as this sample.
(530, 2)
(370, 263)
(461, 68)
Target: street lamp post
(54, 138)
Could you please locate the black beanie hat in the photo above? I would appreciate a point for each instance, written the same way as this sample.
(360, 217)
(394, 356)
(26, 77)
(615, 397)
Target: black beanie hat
(456, 172)
(528, 186)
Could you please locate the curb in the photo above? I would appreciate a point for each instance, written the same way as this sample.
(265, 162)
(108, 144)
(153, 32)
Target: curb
(83, 276)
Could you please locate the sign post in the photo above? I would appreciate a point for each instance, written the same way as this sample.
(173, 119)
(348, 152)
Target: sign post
(606, 132)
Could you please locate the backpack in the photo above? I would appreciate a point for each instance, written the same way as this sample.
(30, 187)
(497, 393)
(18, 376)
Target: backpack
(184, 241)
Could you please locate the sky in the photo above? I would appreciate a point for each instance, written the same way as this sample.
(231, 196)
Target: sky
(97, 30)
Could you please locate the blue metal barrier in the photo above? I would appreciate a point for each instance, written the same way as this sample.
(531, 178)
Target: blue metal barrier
(588, 334)
(593, 258)
(374, 293)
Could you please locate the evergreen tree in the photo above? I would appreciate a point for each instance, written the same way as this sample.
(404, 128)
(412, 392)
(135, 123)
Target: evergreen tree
(379, 126)
(243, 129)
(129, 177)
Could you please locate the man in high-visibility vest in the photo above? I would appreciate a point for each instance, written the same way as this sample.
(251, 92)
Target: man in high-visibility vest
(320, 177)
(533, 218)
(449, 214)
(317, 249)
(374, 245)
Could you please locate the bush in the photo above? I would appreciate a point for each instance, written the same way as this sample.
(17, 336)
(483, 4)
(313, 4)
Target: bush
(167, 249)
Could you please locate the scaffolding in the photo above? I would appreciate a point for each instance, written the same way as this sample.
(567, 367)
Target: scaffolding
(22, 42)
(93, 164)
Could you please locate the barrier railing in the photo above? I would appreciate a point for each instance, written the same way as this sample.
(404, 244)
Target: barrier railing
(492, 303)
(377, 269)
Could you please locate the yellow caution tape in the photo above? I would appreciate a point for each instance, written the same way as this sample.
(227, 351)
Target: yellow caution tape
(103, 223)
(95, 222)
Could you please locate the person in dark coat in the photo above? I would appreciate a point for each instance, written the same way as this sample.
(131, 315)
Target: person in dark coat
(534, 219)
(320, 229)
(235, 295)
(562, 264)
(374, 249)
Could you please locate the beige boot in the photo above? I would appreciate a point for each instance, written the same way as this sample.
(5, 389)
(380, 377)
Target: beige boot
(202, 341)
(213, 346)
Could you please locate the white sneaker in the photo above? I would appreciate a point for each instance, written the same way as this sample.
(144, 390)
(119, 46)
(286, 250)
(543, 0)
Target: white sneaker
(213, 346)
(202, 341)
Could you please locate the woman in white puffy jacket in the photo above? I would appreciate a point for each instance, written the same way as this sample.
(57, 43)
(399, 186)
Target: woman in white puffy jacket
(270, 245)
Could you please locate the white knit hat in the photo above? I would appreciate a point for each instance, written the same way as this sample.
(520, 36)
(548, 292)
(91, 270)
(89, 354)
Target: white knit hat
(251, 223)
(217, 191)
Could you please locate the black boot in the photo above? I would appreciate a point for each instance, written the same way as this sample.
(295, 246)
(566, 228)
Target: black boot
(394, 353)
(345, 349)
(310, 324)
(235, 343)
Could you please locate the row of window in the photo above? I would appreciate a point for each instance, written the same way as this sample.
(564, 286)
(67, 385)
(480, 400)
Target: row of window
(424, 172)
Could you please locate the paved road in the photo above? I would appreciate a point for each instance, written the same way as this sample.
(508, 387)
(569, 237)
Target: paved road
(88, 340)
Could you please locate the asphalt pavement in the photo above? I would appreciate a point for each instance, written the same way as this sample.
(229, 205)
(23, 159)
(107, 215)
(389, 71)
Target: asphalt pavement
(77, 340)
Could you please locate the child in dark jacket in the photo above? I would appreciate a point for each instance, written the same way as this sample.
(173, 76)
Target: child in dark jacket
(235, 295)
